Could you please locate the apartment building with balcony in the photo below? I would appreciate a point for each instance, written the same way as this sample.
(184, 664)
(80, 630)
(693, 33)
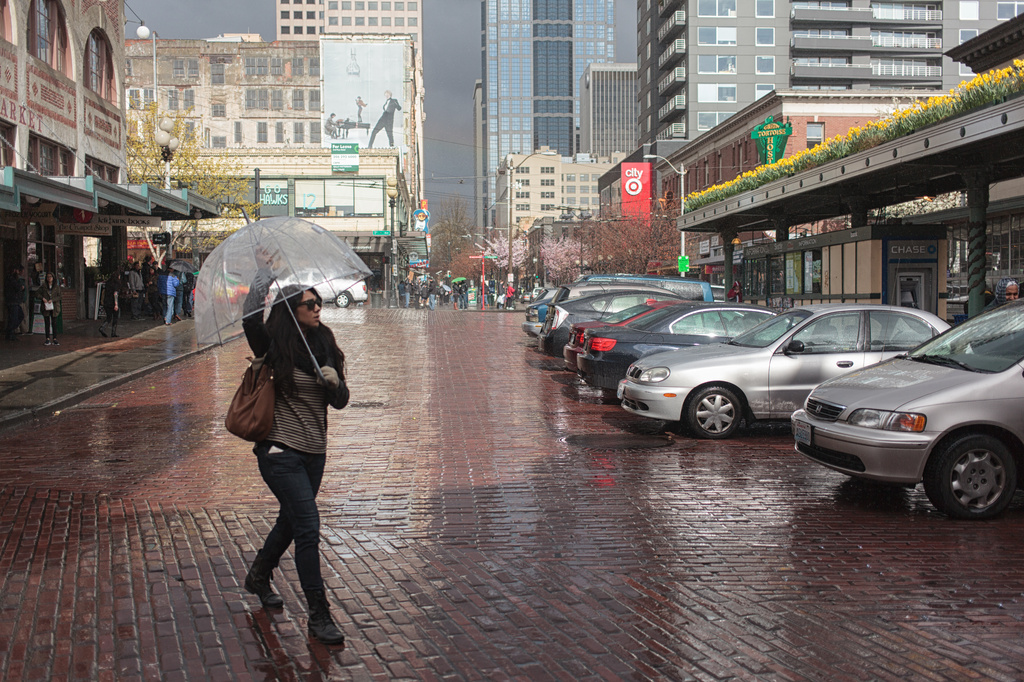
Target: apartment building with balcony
(701, 61)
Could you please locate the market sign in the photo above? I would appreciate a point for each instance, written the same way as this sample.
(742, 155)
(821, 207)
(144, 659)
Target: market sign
(636, 188)
(771, 140)
(344, 157)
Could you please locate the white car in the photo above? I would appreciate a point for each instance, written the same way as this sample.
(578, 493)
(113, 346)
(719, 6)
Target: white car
(349, 292)
(767, 372)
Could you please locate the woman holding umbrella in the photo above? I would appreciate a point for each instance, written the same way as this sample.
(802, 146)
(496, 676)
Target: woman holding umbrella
(308, 370)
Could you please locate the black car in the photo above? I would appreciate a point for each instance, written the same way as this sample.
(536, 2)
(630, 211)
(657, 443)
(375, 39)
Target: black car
(609, 351)
(561, 316)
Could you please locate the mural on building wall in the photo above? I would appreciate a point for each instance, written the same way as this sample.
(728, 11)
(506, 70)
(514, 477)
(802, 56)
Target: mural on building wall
(363, 91)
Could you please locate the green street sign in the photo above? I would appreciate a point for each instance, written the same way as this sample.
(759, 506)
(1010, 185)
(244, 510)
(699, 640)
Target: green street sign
(684, 263)
(382, 233)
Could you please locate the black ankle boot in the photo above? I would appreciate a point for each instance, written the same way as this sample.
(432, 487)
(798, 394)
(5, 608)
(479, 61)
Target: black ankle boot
(321, 625)
(258, 582)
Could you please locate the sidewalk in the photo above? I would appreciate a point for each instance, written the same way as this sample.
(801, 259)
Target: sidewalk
(36, 379)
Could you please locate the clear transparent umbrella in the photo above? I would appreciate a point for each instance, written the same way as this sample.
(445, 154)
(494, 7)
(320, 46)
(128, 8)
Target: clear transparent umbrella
(292, 250)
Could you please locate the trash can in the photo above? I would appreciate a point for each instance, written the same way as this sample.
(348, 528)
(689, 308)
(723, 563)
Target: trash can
(376, 300)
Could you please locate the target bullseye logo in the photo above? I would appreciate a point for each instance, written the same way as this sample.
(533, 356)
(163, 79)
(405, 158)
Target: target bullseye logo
(634, 187)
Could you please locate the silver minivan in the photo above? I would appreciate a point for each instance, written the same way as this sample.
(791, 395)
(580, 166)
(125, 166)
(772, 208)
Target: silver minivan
(949, 413)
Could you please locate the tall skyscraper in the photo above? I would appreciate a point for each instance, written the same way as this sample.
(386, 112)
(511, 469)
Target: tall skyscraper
(701, 61)
(608, 109)
(533, 53)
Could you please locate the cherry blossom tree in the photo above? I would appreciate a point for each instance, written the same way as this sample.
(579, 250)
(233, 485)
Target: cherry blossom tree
(498, 247)
(560, 257)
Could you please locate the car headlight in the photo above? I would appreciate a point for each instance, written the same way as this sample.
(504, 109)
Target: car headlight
(888, 421)
(655, 374)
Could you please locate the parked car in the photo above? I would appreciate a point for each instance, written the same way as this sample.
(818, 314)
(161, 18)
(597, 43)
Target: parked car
(574, 346)
(609, 351)
(767, 372)
(561, 317)
(949, 413)
(718, 291)
(578, 289)
(536, 311)
(686, 289)
(533, 294)
(349, 293)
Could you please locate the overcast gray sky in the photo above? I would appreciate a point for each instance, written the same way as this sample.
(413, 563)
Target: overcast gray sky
(451, 63)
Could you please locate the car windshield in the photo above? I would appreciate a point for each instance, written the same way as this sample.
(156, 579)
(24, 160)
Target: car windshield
(992, 342)
(658, 317)
(628, 313)
(770, 331)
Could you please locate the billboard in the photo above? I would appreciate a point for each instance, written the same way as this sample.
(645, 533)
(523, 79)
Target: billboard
(636, 188)
(362, 91)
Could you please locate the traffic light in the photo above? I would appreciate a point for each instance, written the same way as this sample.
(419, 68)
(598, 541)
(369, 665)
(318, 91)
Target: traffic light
(684, 264)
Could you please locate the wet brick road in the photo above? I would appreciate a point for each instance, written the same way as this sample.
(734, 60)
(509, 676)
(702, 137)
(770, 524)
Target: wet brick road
(485, 517)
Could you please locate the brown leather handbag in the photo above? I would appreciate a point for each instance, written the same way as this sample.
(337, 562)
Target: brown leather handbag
(251, 413)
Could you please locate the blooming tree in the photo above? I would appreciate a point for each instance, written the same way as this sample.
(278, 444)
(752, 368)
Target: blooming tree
(498, 247)
(561, 258)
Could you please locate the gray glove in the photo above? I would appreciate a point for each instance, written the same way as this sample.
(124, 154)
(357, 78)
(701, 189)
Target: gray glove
(331, 379)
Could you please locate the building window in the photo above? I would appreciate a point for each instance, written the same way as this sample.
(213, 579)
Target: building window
(47, 36)
(298, 66)
(547, 182)
(385, 21)
(279, 132)
(332, 21)
(193, 68)
(716, 35)
(706, 120)
(285, 14)
(314, 100)
(172, 99)
(218, 110)
(286, 30)
(314, 133)
(238, 132)
(764, 8)
(762, 89)
(549, 170)
(188, 99)
(547, 195)
(412, 21)
(346, 21)
(178, 68)
(217, 74)
(399, 21)
(277, 100)
(716, 8)
(257, 99)
(969, 10)
(815, 134)
(332, 4)
(371, 21)
(48, 158)
(314, 66)
(299, 132)
(764, 36)
(360, 21)
(716, 63)
(299, 99)
(99, 67)
(256, 66)
(219, 141)
(311, 30)
(276, 66)
(101, 170)
(1009, 10)
(134, 99)
(716, 92)
(764, 65)
(261, 132)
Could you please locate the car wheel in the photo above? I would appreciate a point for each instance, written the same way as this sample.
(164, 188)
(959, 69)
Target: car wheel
(972, 477)
(343, 300)
(714, 412)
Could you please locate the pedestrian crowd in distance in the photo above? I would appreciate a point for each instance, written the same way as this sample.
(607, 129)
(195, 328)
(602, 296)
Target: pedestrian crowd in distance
(144, 290)
(428, 293)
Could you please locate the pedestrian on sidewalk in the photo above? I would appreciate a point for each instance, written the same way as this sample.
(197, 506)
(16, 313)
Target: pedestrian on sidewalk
(49, 293)
(14, 294)
(168, 285)
(432, 293)
(111, 304)
(292, 458)
(138, 289)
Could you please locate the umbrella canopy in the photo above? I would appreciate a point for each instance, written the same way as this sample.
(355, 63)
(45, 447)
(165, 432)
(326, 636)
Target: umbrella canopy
(181, 265)
(458, 279)
(291, 250)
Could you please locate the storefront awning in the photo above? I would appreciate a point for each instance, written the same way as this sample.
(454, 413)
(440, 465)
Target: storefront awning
(176, 204)
(31, 188)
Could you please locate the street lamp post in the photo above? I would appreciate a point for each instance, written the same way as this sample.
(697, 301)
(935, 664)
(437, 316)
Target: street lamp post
(682, 194)
(162, 134)
(511, 168)
(392, 192)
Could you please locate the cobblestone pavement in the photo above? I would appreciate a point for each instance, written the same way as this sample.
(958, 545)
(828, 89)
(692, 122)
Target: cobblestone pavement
(484, 517)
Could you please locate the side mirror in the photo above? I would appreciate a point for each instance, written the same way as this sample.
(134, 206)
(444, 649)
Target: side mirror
(794, 347)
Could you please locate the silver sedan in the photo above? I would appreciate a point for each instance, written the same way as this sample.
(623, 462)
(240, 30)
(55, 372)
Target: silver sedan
(767, 372)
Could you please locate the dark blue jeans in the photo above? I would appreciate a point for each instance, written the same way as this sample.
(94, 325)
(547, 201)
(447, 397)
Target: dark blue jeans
(294, 478)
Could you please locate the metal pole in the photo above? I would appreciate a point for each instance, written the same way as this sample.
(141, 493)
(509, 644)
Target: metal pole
(511, 171)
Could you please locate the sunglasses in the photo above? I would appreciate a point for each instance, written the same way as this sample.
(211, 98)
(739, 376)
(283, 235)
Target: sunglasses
(311, 304)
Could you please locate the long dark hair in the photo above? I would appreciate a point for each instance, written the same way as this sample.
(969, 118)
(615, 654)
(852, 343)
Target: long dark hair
(286, 348)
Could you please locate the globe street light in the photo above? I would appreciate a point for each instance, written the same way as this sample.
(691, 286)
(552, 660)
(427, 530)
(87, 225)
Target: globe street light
(392, 192)
(162, 134)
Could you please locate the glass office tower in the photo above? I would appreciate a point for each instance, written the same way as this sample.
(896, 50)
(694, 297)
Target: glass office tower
(533, 53)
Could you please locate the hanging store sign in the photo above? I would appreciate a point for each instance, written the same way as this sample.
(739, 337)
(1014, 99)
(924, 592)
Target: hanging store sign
(771, 139)
(344, 157)
(636, 188)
